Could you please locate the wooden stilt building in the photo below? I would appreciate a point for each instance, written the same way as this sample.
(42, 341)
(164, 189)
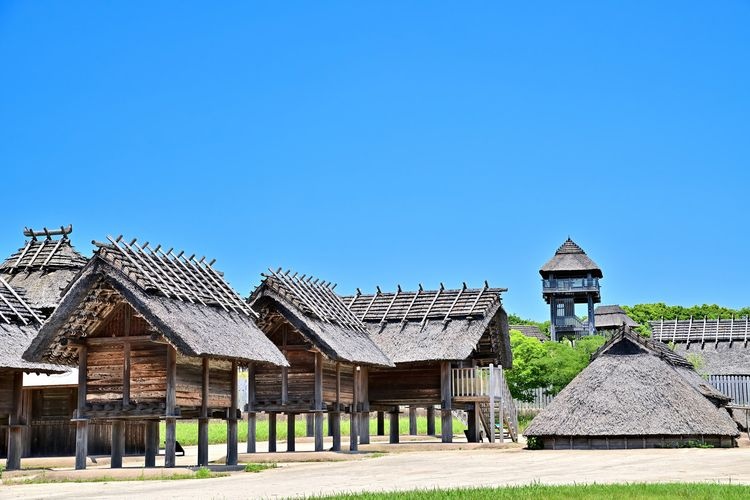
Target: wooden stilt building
(330, 354)
(19, 324)
(156, 335)
(449, 348)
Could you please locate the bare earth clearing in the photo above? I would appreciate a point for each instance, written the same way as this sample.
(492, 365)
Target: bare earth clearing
(430, 469)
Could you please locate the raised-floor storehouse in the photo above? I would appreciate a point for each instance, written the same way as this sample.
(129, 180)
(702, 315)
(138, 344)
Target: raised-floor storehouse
(330, 355)
(156, 335)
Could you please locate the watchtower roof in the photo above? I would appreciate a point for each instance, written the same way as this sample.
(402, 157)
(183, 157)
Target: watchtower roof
(570, 258)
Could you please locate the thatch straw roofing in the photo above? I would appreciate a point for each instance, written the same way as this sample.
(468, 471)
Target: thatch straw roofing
(186, 301)
(719, 358)
(612, 317)
(570, 258)
(633, 388)
(530, 331)
(19, 324)
(434, 325)
(43, 267)
(314, 309)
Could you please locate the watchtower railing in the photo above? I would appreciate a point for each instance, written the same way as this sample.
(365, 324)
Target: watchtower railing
(570, 322)
(570, 285)
(488, 382)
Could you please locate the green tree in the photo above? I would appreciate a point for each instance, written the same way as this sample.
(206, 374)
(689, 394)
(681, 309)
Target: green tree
(526, 374)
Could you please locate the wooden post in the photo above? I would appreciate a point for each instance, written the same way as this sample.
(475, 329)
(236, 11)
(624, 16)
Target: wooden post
(353, 420)
(232, 419)
(431, 420)
(203, 419)
(412, 420)
(446, 416)
(334, 417)
(318, 403)
(381, 423)
(118, 444)
(251, 415)
(310, 425)
(471, 423)
(592, 316)
(364, 420)
(82, 424)
(15, 430)
(171, 421)
(152, 442)
(290, 421)
(394, 434)
(125, 326)
(272, 432)
(493, 382)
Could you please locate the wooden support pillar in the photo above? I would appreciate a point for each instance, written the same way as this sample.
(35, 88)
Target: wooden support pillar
(431, 420)
(364, 397)
(310, 425)
(151, 442)
(353, 418)
(290, 421)
(329, 426)
(232, 419)
(82, 424)
(381, 423)
(318, 401)
(335, 418)
(272, 432)
(118, 444)
(394, 434)
(412, 420)
(203, 419)
(251, 415)
(474, 424)
(171, 420)
(446, 416)
(591, 314)
(15, 430)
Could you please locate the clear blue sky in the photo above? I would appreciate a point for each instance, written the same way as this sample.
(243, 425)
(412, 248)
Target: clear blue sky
(396, 142)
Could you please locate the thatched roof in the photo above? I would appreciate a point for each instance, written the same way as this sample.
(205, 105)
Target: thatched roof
(434, 325)
(43, 267)
(314, 309)
(612, 317)
(530, 331)
(719, 358)
(19, 324)
(183, 299)
(634, 387)
(570, 258)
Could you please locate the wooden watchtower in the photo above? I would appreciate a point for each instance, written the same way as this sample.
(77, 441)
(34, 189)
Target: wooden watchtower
(19, 324)
(156, 335)
(329, 351)
(570, 277)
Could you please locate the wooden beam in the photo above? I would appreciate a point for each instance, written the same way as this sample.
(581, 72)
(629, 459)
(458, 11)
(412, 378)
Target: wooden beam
(364, 419)
(431, 420)
(251, 416)
(118, 444)
(446, 402)
(272, 432)
(354, 420)
(151, 442)
(318, 403)
(335, 418)
(82, 427)
(203, 419)
(15, 430)
(394, 431)
(232, 419)
(290, 421)
(412, 420)
(171, 404)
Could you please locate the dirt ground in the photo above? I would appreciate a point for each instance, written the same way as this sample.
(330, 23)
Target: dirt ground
(427, 468)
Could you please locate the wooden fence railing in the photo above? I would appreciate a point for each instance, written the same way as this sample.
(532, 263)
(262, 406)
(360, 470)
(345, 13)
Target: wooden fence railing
(540, 402)
(736, 387)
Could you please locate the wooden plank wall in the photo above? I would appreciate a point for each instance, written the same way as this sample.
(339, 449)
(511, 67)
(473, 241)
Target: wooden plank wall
(189, 382)
(405, 385)
(329, 382)
(6, 392)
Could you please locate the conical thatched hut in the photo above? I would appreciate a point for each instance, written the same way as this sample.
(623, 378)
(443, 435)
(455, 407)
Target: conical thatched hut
(636, 393)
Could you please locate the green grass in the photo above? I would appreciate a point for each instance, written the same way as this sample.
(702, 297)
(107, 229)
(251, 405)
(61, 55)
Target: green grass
(259, 467)
(202, 473)
(187, 431)
(696, 491)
